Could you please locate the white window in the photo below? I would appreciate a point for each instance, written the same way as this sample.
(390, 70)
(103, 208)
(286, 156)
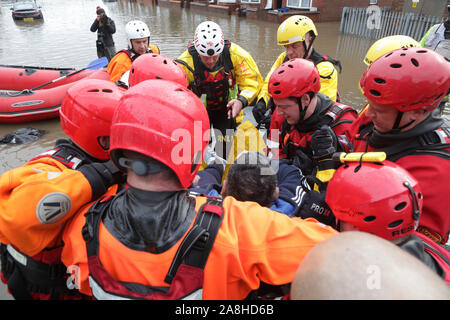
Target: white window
(250, 1)
(373, 2)
(299, 4)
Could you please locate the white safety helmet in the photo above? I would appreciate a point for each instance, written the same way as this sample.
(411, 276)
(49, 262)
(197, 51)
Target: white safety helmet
(136, 30)
(208, 39)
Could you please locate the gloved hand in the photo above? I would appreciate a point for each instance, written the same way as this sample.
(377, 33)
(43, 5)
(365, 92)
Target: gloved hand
(314, 206)
(259, 111)
(324, 143)
(101, 176)
(303, 162)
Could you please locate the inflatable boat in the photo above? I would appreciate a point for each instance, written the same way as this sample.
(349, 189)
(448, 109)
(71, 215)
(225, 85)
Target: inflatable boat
(35, 93)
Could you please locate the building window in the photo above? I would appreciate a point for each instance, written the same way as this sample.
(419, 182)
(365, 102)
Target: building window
(251, 1)
(304, 4)
(371, 2)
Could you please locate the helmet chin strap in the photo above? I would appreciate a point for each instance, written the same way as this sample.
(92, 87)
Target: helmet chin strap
(301, 109)
(305, 56)
(396, 128)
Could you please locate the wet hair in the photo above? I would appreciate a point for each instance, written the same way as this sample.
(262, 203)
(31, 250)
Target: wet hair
(251, 178)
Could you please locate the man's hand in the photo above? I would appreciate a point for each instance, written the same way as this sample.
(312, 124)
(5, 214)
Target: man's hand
(314, 206)
(259, 111)
(234, 107)
(324, 143)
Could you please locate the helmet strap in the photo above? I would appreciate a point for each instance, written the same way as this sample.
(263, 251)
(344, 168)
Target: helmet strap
(396, 128)
(415, 202)
(307, 48)
(302, 109)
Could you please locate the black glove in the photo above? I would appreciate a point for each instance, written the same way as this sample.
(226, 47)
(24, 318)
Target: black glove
(303, 162)
(324, 143)
(101, 176)
(259, 111)
(314, 206)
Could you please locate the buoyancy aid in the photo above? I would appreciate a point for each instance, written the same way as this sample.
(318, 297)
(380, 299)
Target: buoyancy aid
(185, 275)
(133, 55)
(67, 153)
(433, 142)
(297, 136)
(216, 83)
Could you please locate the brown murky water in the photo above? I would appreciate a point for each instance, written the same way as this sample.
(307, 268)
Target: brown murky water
(63, 39)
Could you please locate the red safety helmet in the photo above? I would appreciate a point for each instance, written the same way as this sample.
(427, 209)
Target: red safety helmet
(407, 79)
(86, 113)
(164, 121)
(156, 66)
(294, 78)
(378, 198)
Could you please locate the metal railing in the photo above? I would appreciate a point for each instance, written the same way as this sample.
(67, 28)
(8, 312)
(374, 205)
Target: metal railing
(375, 22)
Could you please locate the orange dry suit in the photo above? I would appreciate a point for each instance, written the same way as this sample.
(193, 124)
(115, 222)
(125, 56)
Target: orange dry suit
(122, 61)
(36, 200)
(138, 245)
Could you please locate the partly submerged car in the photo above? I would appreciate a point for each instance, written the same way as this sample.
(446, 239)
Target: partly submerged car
(26, 10)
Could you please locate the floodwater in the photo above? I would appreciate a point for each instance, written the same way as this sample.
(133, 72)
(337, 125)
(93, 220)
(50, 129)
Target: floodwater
(63, 39)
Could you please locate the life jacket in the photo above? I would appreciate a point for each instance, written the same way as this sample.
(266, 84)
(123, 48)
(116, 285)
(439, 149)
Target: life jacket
(439, 254)
(291, 138)
(216, 87)
(431, 143)
(133, 55)
(185, 275)
(41, 277)
(66, 153)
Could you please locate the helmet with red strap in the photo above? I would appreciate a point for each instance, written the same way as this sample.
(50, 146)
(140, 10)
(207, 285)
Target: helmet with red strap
(164, 121)
(86, 113)
(156, 66)
(407, 79)
(294, 78)
(379, 198)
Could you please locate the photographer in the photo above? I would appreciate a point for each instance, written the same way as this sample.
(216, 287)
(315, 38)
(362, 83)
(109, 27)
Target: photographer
(105, 28)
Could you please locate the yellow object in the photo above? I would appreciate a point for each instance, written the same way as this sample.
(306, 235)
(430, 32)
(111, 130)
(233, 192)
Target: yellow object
(246, 138)
(360, 156)
(414, 3)
(294, 28)
(328, 79)
(341, 157)
(388, 44)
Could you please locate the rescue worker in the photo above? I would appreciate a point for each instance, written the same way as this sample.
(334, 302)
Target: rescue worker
(138, 39)
(407, 127)
(388, 202)
(158, 242)
(214, 67)
(301, 110)
(297, 34)
(380, 48)
(31, 237)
